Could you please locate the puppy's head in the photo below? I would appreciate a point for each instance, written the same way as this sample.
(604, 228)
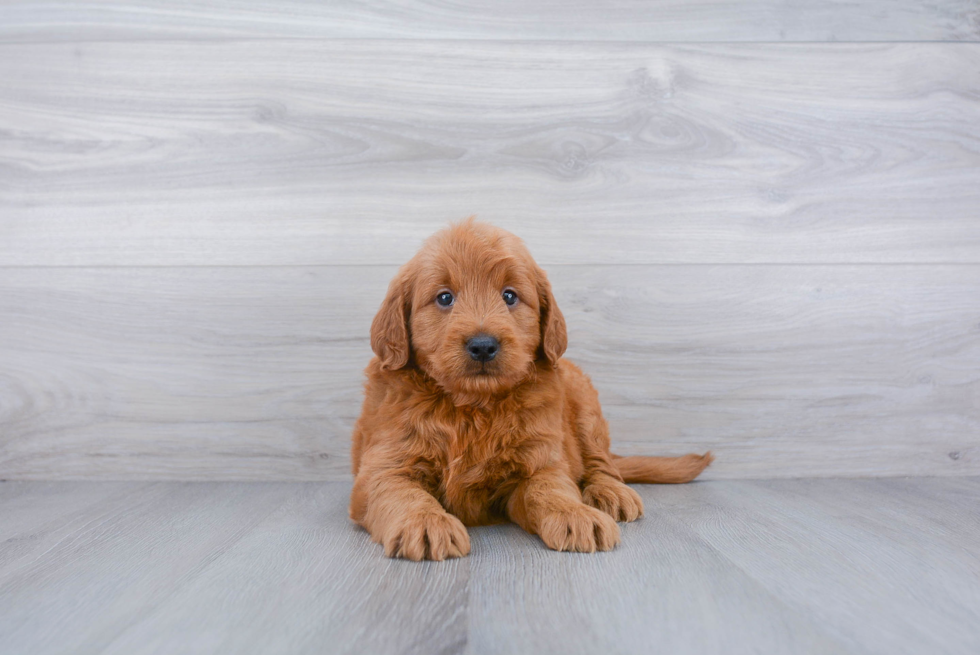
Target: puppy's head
(472, 309)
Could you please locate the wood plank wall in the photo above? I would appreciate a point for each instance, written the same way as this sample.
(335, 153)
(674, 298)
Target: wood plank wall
(762, 221)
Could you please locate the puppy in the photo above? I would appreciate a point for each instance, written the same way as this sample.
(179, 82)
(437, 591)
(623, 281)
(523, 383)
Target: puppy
(471, 416)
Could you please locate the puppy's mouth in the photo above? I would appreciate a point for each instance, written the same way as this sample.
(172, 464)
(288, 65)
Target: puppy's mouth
(484, 369)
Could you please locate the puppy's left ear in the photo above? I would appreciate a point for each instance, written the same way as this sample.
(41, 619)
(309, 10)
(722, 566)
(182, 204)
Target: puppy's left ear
(389, 330)
(554, 336)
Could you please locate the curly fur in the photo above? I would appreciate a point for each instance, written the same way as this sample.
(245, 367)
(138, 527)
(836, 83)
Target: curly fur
(444, 441)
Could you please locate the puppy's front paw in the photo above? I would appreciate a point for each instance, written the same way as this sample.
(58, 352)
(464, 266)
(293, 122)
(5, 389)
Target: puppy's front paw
(434, 536)
(611, 496)
(578, 528)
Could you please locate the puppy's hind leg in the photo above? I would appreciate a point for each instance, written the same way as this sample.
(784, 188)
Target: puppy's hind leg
(602, 484)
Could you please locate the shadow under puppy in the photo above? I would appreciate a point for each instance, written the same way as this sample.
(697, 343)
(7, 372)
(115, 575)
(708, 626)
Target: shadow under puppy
(471, 416)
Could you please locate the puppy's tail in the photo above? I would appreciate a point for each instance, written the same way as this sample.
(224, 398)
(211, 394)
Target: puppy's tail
(662, 470)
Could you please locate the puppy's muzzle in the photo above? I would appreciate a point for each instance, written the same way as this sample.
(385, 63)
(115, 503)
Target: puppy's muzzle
(482, 347)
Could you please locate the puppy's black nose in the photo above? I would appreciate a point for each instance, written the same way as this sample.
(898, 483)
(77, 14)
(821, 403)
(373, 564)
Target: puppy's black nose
(482, 347)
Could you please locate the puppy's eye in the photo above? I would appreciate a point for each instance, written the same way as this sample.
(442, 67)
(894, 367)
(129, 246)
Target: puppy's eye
(510, 296)
(445, 299)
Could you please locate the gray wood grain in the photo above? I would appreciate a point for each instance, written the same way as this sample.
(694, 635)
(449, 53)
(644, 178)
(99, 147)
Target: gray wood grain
(32, 514)
(284, 152)
(662, 590)
(812, 566)
(826, 550)
(306, 580)
(255, 373)
(275, 160)
(119, 559)
(665, 20)
(927, 515)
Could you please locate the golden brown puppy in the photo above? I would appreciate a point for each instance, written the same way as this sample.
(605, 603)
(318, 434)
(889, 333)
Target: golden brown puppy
(472, 417)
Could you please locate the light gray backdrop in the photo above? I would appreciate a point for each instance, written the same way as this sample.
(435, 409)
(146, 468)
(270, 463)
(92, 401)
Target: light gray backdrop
(763, 226)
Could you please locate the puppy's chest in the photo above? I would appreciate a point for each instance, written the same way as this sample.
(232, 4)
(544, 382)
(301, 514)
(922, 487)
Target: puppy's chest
(485, 460)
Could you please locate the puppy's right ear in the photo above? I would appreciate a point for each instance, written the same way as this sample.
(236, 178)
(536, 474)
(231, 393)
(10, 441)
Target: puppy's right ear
(389, 330)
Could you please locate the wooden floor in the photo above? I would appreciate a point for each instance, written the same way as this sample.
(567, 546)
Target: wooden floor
(806, 566)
